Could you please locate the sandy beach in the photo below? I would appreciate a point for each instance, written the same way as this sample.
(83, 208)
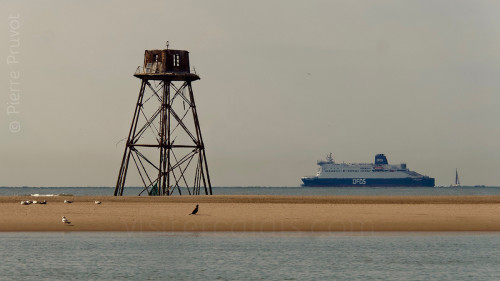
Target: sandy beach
(253, 213)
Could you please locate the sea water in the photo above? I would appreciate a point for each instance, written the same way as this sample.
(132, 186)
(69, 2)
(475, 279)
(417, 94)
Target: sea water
(249, 256)
(296, 190)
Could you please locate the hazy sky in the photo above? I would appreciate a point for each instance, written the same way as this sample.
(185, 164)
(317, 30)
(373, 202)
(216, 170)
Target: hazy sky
(282, 84)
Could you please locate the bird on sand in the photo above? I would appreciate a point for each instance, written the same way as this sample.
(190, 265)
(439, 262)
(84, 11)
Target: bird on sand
(67, 201)
(195, 210)
(65, 220)
(97, 202)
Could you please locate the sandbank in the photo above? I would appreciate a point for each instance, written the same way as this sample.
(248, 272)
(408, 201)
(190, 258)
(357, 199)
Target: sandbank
(253, 213)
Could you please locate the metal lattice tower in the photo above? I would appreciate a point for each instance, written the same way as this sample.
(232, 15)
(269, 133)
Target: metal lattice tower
(164, 143)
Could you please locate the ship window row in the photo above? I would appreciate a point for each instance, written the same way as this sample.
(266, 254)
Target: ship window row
(347, 171)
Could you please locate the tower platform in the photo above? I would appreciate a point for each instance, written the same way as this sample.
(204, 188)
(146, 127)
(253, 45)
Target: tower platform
(167, 76)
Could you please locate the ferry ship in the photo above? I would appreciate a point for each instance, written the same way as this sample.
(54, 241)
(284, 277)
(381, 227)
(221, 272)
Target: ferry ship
(379, 173)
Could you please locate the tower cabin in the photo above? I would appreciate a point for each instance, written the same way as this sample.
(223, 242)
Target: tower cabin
(170, 65)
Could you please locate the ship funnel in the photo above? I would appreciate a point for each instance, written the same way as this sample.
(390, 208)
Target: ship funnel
(380, 159)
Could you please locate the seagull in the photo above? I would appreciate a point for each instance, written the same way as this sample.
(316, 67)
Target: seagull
(97, 202)
(195, 210)
(67, 201)
(43, 202)
(25, 203)
(65, 220)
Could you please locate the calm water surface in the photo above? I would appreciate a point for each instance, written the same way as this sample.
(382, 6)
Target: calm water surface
(249, 256)
(365, 191)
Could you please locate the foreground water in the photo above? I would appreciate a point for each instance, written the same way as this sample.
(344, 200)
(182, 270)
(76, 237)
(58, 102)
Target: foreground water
(301, 191)
(249, 256)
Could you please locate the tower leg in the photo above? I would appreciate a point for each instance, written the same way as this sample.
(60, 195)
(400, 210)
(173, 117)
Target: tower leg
(120, 183)
(201, 146)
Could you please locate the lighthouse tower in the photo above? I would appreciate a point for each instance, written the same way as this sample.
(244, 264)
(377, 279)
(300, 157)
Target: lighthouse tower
(165, 147)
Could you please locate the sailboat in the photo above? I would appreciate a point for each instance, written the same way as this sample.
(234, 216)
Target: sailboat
(457, 181)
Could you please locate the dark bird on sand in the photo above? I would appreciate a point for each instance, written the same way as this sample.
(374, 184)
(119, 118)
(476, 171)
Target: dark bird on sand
(195, 210)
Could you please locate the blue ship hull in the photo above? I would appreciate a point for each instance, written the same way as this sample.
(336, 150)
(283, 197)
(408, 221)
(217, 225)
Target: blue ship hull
(372, 182)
